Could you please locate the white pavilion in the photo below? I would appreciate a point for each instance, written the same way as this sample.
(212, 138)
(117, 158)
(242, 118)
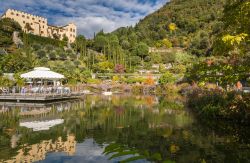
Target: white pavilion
(43, 74)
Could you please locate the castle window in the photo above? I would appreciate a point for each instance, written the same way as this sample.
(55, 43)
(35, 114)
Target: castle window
(23, 16)
(17, 14)
(31, 23)
(33, 18)
(70, 35)
(12, 13)
(41, 32)
(43, 22)
(24, 22)
(43, 26)
(28, 17)
(39, 20)
(74, 30)
(70, 29)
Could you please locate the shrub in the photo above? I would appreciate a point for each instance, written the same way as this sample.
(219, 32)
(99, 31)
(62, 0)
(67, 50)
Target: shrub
(217, 104)
(86, 73)
(167, 77)
(103, 66)
(43, 61)
(49, 48)
(135, 80)
(162, 68)
(170, 88)
(36, 47)
(69, 51)
(93, 81)
(72, 56)
(63, 56)
(5, 82)
(119, 68)
(52, 56)
(41, 54)
(179, 69)
(115, 78)
(77, 63)
(137, 89)
(46, 41)
(149, 81)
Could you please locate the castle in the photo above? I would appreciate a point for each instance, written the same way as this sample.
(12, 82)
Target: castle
(39, 26)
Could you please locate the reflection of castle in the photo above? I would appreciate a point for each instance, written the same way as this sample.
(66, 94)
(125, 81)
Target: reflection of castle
(37, 152)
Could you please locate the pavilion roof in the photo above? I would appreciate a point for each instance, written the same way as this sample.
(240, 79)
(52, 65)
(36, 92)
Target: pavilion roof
(42, 73)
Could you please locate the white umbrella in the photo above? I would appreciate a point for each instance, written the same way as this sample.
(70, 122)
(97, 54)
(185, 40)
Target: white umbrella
(42, 73)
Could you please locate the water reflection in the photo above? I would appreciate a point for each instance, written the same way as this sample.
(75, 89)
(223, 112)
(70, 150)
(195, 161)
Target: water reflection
(37, 152)
(116, 128)
(41, 125)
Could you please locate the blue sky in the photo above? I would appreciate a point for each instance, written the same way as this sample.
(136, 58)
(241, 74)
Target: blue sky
(89, 15)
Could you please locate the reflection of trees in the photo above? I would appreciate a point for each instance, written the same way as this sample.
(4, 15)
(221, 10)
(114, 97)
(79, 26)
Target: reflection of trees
(157, 133)
(133, 127)
(128, 122)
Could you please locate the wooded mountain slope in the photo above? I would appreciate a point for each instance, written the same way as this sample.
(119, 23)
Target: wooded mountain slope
(197, 21)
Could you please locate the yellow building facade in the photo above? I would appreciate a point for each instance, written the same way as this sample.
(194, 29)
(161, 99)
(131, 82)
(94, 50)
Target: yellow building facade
(37, 152)
(39, 26)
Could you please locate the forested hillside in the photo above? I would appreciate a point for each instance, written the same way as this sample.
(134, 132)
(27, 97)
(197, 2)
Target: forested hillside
(190, 24)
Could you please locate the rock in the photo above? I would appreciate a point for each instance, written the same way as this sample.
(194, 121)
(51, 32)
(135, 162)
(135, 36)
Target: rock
(17, 41)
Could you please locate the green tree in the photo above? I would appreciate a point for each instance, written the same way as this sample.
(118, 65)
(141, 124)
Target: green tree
(101, 43)
(104, 66)
(236, 33)
(169, 57)
(65, 38)
(81, 45)
(17, 62)
(141, 50)
(7, 27)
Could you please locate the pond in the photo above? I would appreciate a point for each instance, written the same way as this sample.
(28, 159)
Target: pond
(122, 128)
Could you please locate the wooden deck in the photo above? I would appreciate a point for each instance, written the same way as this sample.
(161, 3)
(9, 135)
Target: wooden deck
(38, 97)
(32, 104)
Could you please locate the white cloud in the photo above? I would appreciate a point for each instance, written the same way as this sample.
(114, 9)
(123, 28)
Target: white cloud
(89, 15)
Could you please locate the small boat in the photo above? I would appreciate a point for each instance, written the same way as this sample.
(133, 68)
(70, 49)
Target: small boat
(107, 93)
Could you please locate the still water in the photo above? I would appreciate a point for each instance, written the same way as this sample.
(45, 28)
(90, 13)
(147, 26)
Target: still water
(117, 129)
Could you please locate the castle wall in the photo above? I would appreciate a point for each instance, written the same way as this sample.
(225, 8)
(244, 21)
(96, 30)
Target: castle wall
(39, 25)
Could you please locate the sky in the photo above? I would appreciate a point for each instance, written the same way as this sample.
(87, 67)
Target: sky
(89, 15)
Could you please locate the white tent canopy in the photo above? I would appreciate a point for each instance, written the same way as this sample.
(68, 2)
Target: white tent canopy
(42, 73)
